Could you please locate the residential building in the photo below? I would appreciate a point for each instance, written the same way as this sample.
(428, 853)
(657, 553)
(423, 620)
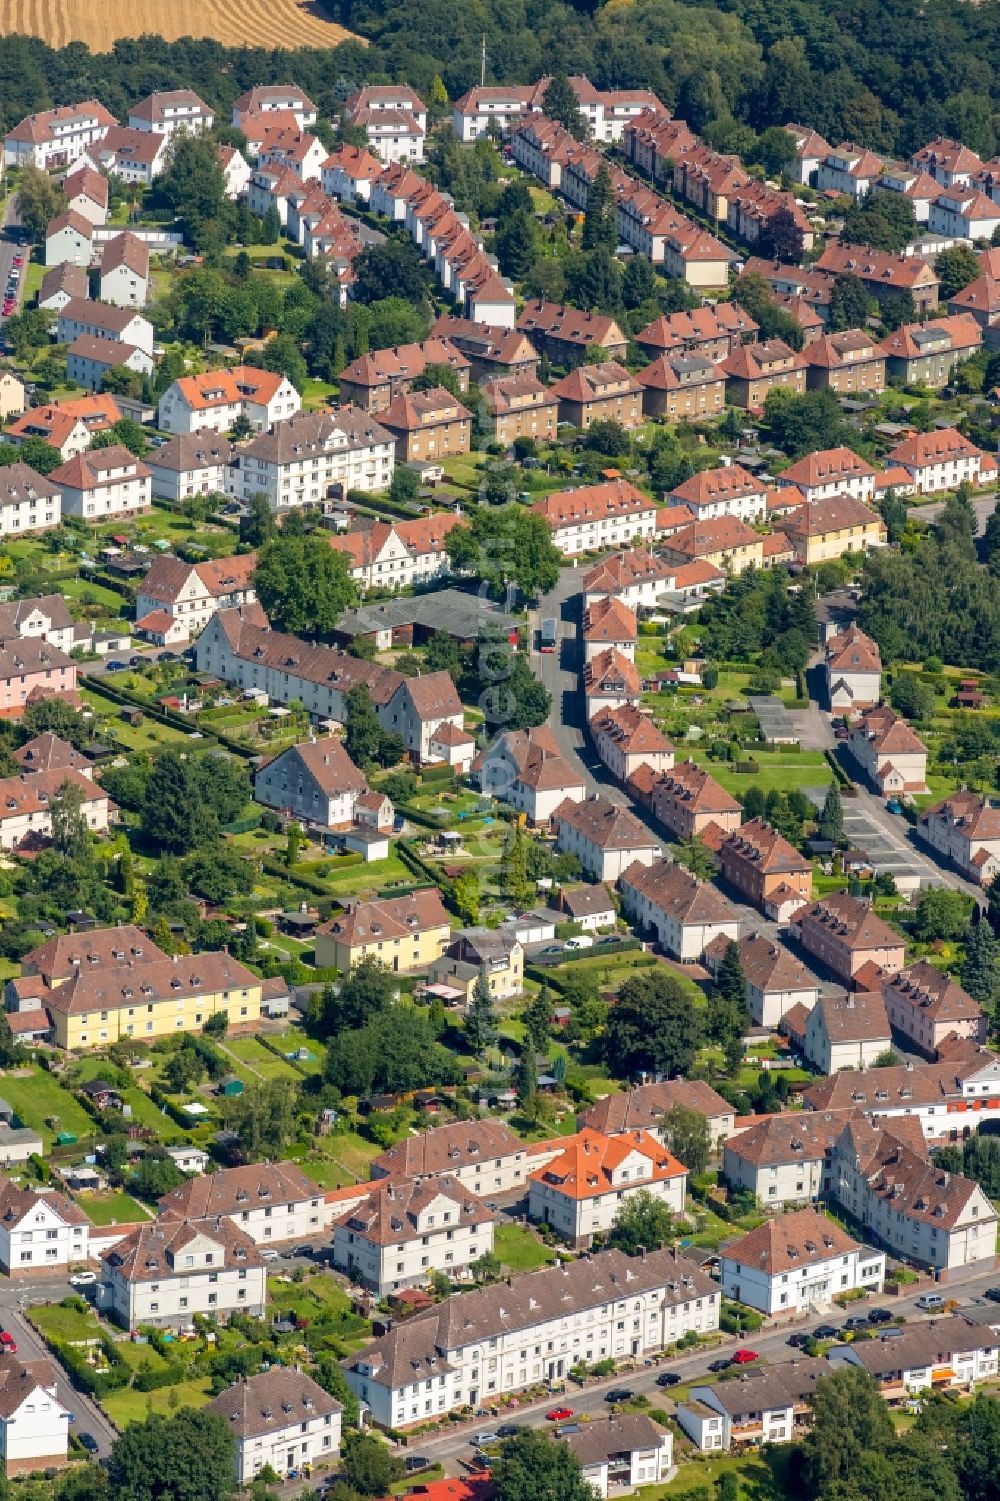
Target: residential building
(848, 169)
(949, 162)
(911, 1207)
(236, 171)
(688, 801)
(626, 739)
(189, 594)
(481, 953)
(319, 785)
(850, 1031)
(831, 473)
(609, 623)
(87, 194)
(770, 1406)
(728, 491)
(927, 354)
(567, 335)
(46, 752)
(34, 1425)
(266, 99)
(28, 503)
(713, 331)
(428, 426)
(90, 359)
(61, 283)
(754, 370)
(348, 174)
(785, 1159)
(526, 769)
(766, 870)
(605, 838)
(494, 353)
(684, 913)
(81, 315)
(190, 464)
(136, 156)
(69, 238)
(519, 406)
(605, 392)
(776, 980)
(385, 556)
(215, 399)
(965, 830)
(166, 1271)
(26, 804)
(407, 1229)
(942, 1355)
(103, 482)
(853, 668)
(850, 363)
(843, 933)
(637, 577)
(393, 117)
(926, 1007)
(171, 112)
(507, 1337)
(286, 148)
(646, 1108)
(405, 933)
(590, 907)
(264, 1201)
(594, 517)
(314, 455)
(31, 669)
(580, 1191)
(40, 1232)
(68, 426)
(686, 387)
(56, 137)
(942, 460)
(280, 1419)
(886, 749)
(610, 680)
(884, 275)
(484, 1156)
(725, 542)
(790, 1264)
(827, 529)
(622, 1452)
(373, 381)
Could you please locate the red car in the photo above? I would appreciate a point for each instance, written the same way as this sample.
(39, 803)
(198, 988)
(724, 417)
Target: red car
(8, 1342)
(744, 1357)
(19, 260)
(559, 1414)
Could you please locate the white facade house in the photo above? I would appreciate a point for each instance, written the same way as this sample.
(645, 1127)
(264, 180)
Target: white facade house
(626, 739)
(319, 784)
(34, 1425)
(768, 1406)
(622, 1452)
(125, 271)
(269, 1203)
(28, 503)
(580, 1190)
(81, 315)
(40, 1232)
(89, 359)
(797, 1262)
(407, 1229)
(526, 769)
(171, 112)
(215, 399)
(595, 517)
(964, 213)
(484, 1156)
(606, 839)
(190, 464)
(393, 117)
(942, 460)
(685, 914)
(849, 1031)
(393, 556)
(103, 482)
(280, 1419)
(166, 1271)
(776, 979)
(946, 1354)
(831, 472)
(56, 137)
(191, 593)
(479, 1345)
(309, 457)
(69, 238)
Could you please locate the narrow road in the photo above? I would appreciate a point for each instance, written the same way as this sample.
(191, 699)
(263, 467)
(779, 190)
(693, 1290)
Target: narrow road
(8, 250)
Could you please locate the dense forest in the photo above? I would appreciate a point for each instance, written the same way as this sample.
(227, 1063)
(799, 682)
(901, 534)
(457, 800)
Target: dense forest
(890, 76)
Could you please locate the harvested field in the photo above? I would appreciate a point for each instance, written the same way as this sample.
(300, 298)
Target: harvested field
(234, 23)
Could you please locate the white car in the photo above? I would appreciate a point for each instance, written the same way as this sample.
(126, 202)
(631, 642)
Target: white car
(83, 1279)
(268, 1255)
(580, 941)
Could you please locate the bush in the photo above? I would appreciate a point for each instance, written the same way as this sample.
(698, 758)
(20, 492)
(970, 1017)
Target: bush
(154, 1377)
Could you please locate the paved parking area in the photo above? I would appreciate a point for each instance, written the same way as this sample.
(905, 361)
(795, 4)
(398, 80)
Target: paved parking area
(888, 849)
(776, 724)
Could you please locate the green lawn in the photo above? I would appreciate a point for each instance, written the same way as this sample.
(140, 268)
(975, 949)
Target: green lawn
(339, 1159)
(112, 1208)
(377, 874)
(65, 1323)
(129, 1406)
(520, 1248)
(38, 1097)
(756, 1480)
(252, 1051)
(777, 773)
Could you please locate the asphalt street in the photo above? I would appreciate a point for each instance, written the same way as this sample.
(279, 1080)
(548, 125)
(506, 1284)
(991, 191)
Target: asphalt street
(9, 248)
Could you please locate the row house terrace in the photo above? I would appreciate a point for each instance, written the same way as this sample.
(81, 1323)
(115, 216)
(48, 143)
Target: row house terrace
(935, 1102)
(610, 680)
(947, 1354)
(373, 380)
(652, 142)
(890, 754)
(713, 331)
(964, 829)
(771, 1406)
(883, 274)
(848, 363)
(766, 870)
(943, 460)
(685, 914)
(626, 739)
(594, 517)
(637, 578)
(688, 801)
(384, 556)
(655, 228)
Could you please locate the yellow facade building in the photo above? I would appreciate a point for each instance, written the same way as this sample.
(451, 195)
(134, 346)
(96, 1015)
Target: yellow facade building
(405, 933)
(827, 529)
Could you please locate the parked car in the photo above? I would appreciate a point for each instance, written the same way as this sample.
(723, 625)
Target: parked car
(559, 1414)
(720, 1365)
(115, 665)
(480, 1440)
(619, 1394)
(8, 1342)
(668, 1378)
(88, 1441)
(83, 1279)
(894, 805)
(826, 1331)
(580, 941)
(798, 1339)
(416, 1462)
(508, 1430)
(269, 1255)
(854, 1324)
(993, 1293)
(880, 1315)
(744, 1357)
(930, 1302)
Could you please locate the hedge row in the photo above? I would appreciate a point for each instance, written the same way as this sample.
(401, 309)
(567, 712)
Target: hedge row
(117, 695)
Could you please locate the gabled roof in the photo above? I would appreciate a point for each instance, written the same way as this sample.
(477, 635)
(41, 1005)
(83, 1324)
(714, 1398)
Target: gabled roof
(691, 784)
(391, 1212)
(938, 996)
(676, 891)
(631, 731)
(392, 917)
(600, 382)
(326, 762)
(150, 1252)
(757, 844)
(605, 825)
(448, 1148)
(827, 466)
(859, 1016)
(611, 674)
(852, 651)
(913, 341)
(593, 503)
(835, 513)
(234, 1190)
(946, 445)
(852, 920)
(799, 1239)
(608, 620)
(586, 1166)
(712, 486)
(643, 1108)
(272, 1401)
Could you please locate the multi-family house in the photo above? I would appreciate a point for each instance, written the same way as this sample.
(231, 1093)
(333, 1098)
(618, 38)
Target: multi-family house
(964, 213)
(81, 315)
(850, 363)
(626, 739)
(34, 1425)
(567, 335)
(605, 838)
(60, 283)
(484, 1156)
(687, 800)
(844, 933)
(313, 455)
(754, 370)
(526, 769)
(927, 354)
(87, 194)
(884, 275)
(136, 156)
(942, 460)
(373, 381)
(624, 1450)
(610, 680)
(637, 577)
(609, 623)
(519, 406)
(27, 802)
(89, 358)
(934, 1102)
(319, 785)
(103, 482)
(406, 933)
(728, 491)
(406, 1229)
(848, 169)
(28, 503)
(713, 331)
(191, 464)
(765, 869)
(47, 752)
(913, 183)
(481, 954)
(280, 1419)
(428, 426)
(189, 594)
(810, 152)
(393, 117)
(724, 541)
(579, 1191)
(847, 1031)
(826, 529)
(647, 1107)
(853, 667)
(124, 276)
(949, 162)
(236, 172)
(510, 1336)
(216, 399)
(831, 472)
(385, 556)
(772, 1406)
(164, 1272)
(30, 670)
(348, 173)
(787, 1158)
(964, 829)
(682, 387)
(795, 1261)
(776, 980)
(493, 353)
(272, 1201)
(69, 237)
(300, 152)
(926, 1007)
(946, 1354)
(56, 137)
(886, 749)
(605, 392)
(171, 112)
(67, 426)
(595, 517)
(40, 1231)
(684, 913)
(272, 98)
(590, 907)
